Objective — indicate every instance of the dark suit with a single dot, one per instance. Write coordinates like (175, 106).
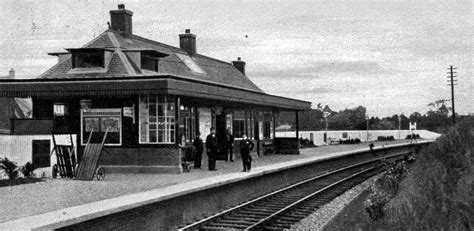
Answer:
(229, 147)
(245, 147)
(199, 146)
(212, 150)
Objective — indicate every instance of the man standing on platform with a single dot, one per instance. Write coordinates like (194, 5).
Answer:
(229, 143)
(199, 147)
(212, 149)
(246, 146)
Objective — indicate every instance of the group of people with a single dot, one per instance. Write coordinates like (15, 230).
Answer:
(212, 150)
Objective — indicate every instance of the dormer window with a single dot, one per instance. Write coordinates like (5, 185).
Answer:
(149, 59)
(88, 59)
(149, 63)
(145, 59)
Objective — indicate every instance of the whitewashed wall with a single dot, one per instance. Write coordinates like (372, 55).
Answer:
(318, 136)
(19, 148)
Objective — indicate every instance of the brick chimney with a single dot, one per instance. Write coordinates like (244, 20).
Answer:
(121, 20)
(240, 65)
(11, 74)
(187, 42)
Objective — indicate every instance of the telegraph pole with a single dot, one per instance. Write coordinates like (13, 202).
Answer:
(451, 80)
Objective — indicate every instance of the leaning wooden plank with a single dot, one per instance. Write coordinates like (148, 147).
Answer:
(89, 162)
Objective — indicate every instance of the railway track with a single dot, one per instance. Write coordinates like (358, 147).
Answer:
(285, 207)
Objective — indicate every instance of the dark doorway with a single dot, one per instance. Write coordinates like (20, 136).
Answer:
(221, 132)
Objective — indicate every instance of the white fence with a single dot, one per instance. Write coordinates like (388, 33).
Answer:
(318, 136)
(19, 148)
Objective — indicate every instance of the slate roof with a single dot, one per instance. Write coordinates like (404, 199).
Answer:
(121, 65)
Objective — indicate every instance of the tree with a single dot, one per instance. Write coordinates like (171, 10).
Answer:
(348, 119)
(436, 119)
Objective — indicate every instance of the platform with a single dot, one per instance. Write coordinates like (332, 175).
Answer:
(68, 201)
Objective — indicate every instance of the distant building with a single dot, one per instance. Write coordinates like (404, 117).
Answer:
(12, 108)
(147, 95)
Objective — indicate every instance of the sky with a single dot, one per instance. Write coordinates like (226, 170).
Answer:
(389, 56)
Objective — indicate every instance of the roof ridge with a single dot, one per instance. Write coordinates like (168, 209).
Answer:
(156, 42)
(128, 66)
(114, 40)
(178, 49)
(95, 39)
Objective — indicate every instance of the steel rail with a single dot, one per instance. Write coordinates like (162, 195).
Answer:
(203, 221)
(310, 196)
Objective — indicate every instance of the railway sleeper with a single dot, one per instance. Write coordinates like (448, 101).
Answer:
(206, 228)
(225, 225)
(292, 196)
(243, 218)
(280, 226)
(295, 216)
(257, 212)
(282, 203)
(234, 221)
(245, 215)
(262, 209)
(212, 227)
(303, 210)
(318, 201)
(254, 211)
(288, 219)
(251, 213)
(297, 213)
(269, 227)
(275, 225)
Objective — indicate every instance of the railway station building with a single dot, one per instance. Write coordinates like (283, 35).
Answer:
(149, 96)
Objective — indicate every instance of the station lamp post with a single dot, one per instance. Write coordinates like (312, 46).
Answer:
(325, 115)
(400, 126)
(367, 119)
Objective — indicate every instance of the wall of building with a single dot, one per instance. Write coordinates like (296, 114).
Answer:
(142, 160)
(19, 148)
(318, 136)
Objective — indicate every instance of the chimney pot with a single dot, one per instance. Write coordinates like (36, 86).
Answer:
(121, 6)
(240, 65)
(187, 42)
(11, 73)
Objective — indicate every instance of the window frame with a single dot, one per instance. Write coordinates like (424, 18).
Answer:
(104, 112)
(169, 127)
(62, 112)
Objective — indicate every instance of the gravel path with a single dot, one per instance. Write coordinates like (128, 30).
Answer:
(53, 194)
(320, 218)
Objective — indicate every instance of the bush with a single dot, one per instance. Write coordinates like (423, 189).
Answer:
(375, 204)
(385, 138)
(306, 142)
(385, 188)
(438, 193)
(10, 168)
(412, 136)
(28, 169)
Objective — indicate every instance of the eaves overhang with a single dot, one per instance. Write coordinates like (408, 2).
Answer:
(162, 84)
